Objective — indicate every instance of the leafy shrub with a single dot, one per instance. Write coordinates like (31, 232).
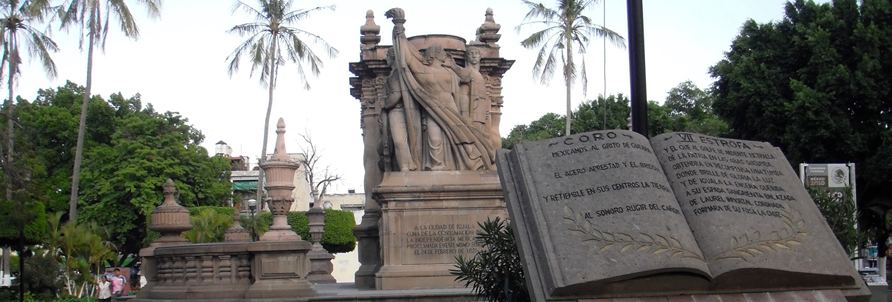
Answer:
(300, 224)
(208, 226)
(840, 213)
(338, 237)
(228, 211)
(495, 272)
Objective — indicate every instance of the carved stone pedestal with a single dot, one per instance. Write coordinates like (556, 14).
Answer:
(321, 267)
(280, 270)
(428, 218)
(368, 247)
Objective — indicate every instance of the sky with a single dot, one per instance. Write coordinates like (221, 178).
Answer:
(179, 63)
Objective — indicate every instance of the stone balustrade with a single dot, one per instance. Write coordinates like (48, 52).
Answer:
(203, 271)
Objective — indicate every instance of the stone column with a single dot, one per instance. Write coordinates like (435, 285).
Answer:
(280, 265)
(370, 96)
(320, 259)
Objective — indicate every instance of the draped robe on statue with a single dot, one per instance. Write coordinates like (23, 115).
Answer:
(466, 147)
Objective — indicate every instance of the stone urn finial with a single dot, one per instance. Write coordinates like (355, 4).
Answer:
(170, 219)
(236, 233)
(279, 171)
(487, 33)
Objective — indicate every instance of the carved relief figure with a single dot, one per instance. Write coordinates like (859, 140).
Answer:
(396, 115)
(449, 141)
(473, 102)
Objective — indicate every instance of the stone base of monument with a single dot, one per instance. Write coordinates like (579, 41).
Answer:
(280, 269)
(428, 218)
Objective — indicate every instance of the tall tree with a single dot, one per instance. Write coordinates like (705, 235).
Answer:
(273, 39)
(129, 151)
(16, 27)
(818, 84)
(691, 110)
(93, 22)
(566, 27)
(319, 178)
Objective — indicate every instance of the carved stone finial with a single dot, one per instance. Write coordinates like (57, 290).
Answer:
(369, 31)
(487, 33)
(170, 219)
(169, 190)
(279, 171)
(280, 153)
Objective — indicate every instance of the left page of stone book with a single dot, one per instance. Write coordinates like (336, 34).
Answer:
(595, 216)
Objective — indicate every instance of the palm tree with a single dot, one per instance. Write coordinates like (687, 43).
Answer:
(565, 27)
(270, 34)
(16, 27)
(93, 21)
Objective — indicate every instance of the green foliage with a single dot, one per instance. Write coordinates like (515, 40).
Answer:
(589, 116)
(226, 211)
(300, 224)
(209, 225)
(83, 249)
(839, 211)
(130, 150)
(11, 214)
(691, 111)
(338, 236)
(495, 272)
(818, 84)
(548, 126)
(41, 278)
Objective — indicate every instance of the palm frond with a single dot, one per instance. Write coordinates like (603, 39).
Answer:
(122, 12)
(239, 5)
(299, 15)
(331, 51)
(236, 55)
(153, 8)
(536, 38)
(247, 29)
(39, 46)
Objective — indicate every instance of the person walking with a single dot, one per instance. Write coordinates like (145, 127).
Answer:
(103, 291)
(117, 284)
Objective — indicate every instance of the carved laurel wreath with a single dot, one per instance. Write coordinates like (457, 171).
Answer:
(751, 244)
(654, 244)
(745, 246)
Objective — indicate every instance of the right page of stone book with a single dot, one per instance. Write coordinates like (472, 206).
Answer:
(756, 225)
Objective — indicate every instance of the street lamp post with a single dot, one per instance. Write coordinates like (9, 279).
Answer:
(252, 205)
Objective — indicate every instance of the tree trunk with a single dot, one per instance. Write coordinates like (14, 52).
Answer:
(269, 108)
(82, 129)
(568, 81)
(10, 120)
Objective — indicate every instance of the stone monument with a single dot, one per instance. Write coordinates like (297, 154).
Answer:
(682, 216)
(430, 119)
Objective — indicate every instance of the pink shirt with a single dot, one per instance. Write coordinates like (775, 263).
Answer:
(117, 283)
